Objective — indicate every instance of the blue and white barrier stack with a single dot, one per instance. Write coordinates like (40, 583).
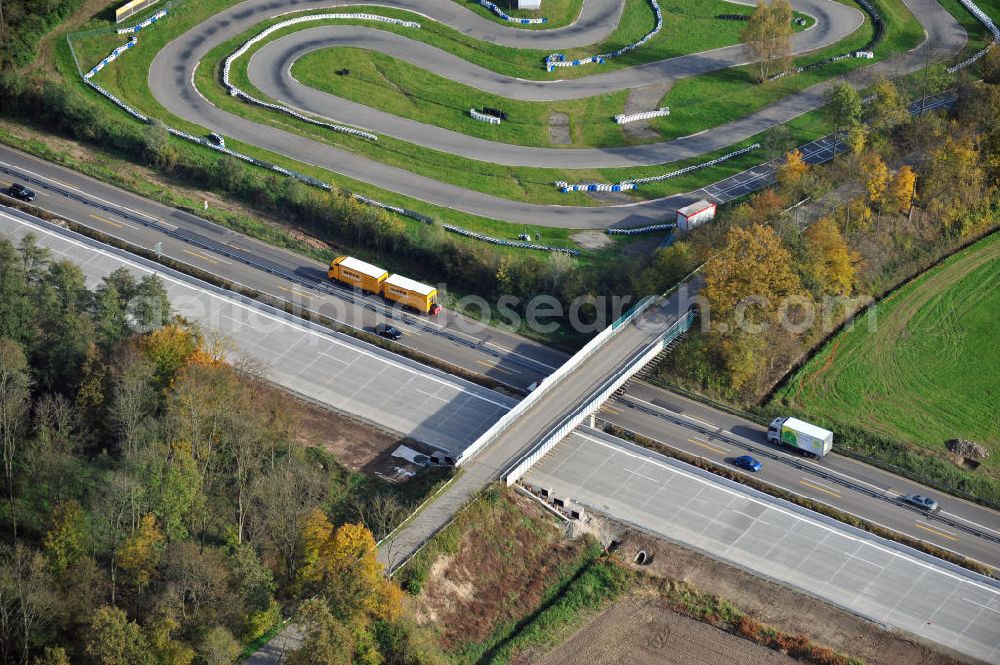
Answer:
(236, 92)
(595, 187)
(484, 117)
(111, 57)
(623, 118)
(145, 24)
(559, 59)
(507, 17)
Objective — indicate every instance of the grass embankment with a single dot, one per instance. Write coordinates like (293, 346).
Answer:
(502, 577)
(927, 370)
(701, 102)
(558, 12)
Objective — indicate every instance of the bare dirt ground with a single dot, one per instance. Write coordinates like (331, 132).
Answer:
(591, 239)
(641, 631)
(508, 555)
(782, 607)
(357, 445)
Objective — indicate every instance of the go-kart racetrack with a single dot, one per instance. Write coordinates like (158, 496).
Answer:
(172, 71)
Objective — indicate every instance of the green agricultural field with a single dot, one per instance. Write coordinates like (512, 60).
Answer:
(928, 371)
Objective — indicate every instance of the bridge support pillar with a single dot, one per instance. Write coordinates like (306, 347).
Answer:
(593, 421)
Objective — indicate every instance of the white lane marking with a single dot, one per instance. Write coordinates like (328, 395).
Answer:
(81, 192)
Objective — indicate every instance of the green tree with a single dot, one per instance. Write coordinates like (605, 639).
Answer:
(175, 485)
(14, 405)
(149, 307)
(114, 640)
(139, 555)
(66, 540)
(666, 268)
(218, 647)
(768, 38)
(888, 108)
(844, 107)
(326, 640)
(52, 656)
(16, 311)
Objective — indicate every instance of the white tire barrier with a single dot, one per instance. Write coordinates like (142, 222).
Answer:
(626, 185)
(405, 212)
(982, 18)
(559, 60)
(145, 24)
(507, 17)
(652, 228)
(623, 118)
(236, 92)
(111, 57)
(484, 117)
(990, 27)
(508, 243)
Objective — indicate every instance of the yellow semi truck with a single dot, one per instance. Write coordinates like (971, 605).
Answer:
(411, 293)
(355, 272)
(361, 275)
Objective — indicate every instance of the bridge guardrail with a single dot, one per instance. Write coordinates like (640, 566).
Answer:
(552, 380)
(613, 383)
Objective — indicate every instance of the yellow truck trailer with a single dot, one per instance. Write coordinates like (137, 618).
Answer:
(411, 293)
(357, 273)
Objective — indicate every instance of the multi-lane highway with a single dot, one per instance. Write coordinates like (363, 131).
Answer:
(270, 270)
(171, 81)
(868, 492)
(876, 579)
(330, 368)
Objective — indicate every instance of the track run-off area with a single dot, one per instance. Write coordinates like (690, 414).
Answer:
(173, 72)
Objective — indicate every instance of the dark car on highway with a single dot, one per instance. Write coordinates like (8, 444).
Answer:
(387, 331)
(19, 191)
(748, 463)
(922, 502)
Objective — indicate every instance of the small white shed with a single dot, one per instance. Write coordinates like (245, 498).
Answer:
(697, 213)
(529, 4)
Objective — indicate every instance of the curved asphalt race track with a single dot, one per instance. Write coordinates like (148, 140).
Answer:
(171, 81)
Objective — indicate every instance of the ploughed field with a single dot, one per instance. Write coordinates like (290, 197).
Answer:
(927, 369)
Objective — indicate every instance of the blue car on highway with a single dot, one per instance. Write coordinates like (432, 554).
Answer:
(747, 462)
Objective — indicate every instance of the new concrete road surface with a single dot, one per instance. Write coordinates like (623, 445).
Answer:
(171, 73)
(330, 368)
(966, 528)
(279, 273)
(875, 578)
(556, 403)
